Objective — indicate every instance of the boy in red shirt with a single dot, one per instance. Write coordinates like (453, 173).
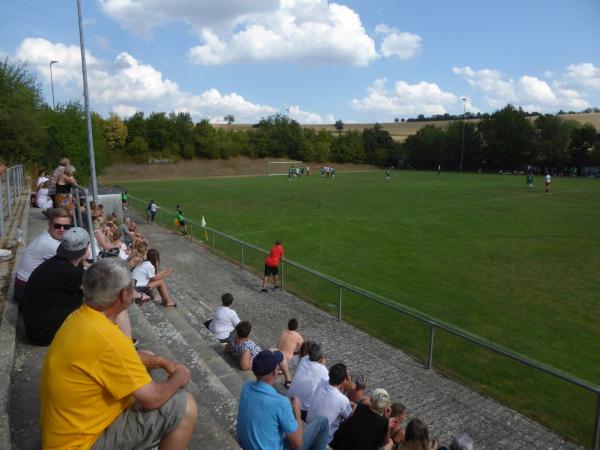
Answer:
(272, 266)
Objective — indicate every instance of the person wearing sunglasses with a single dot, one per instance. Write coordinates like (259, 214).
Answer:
(41, 248)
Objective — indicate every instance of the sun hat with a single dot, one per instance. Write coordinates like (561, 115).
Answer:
(265, 362)
(74, 243)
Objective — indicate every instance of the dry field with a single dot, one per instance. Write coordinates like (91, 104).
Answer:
(202, 168)
(400, 131)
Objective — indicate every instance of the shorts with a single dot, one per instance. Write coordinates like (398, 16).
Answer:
(270, 270)
(152, 214)
(146, 290)
(142, 428)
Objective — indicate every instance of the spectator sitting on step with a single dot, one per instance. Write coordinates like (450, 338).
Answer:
(290, 341)
(369, 427)
(357, 393)
(400, 414)
(244, 350)
(125, 234)
(267, 420)
(145, 270)
(95, 389)
(104, 238)
(329, 400)
(54, 288)
(224, 320)
(41, 248)
(416, 437)
(42, 199)
(310, 372)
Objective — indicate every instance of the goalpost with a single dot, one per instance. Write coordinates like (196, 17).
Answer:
(281, 167)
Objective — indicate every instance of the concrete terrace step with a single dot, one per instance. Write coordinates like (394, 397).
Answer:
(214, 396)
(216, 409)
(207, 347)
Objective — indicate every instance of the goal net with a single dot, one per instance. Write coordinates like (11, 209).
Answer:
(281, 167)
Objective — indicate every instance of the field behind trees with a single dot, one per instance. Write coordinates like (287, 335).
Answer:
(401, 130)
(480, 252)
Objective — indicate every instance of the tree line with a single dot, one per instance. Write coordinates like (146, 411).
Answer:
(32, 132)
(506, 140)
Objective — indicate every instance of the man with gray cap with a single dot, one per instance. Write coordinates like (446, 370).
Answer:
(267, 420)
(53, 290)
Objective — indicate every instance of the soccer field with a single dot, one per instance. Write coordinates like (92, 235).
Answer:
(480, 252)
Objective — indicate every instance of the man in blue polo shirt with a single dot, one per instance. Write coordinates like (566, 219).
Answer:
(267, 420)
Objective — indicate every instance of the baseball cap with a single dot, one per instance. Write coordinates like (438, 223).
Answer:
(265, 362)
(380, 399)
(74, 243)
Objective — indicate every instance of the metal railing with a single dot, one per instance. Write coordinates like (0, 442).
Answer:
(12, 184)
(431, 322)
(78, 219)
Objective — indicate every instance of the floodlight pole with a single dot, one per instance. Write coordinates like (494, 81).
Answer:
(87, 108)
(462, 145)
(52, 83)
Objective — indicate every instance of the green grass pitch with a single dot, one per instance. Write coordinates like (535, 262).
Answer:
(480, 252)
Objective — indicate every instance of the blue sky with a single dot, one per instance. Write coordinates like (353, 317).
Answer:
(317, 61)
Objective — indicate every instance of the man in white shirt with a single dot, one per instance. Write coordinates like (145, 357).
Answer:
(310, 372)
(41, 248)
(548, 182)
(224, 320)
(329, 401)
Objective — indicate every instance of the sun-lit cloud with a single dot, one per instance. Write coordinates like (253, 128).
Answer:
(403, 45)
(126, 85)
(294, 112)
(529, 92)
(584, 74)
(305, 32)
(404, 100)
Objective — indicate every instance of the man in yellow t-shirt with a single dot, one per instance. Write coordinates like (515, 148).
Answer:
(95, 391)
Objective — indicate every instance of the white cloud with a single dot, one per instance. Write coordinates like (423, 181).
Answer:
(321, 34)
(584, 74)
(126, 85)
(38, 52)
(529, 92)
(142, 16)
(301, 116)
(396, 43)
(306, 32)
(404, 100)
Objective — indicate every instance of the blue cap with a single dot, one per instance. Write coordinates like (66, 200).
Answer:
(265, 362)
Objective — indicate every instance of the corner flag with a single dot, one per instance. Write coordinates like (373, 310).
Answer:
(203, 224)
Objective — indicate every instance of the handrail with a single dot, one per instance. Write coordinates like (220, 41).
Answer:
(77, 219)
(15, 185)
(432, 322)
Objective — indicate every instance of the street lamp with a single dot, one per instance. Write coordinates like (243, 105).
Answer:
(462, 145)
(52, 83)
